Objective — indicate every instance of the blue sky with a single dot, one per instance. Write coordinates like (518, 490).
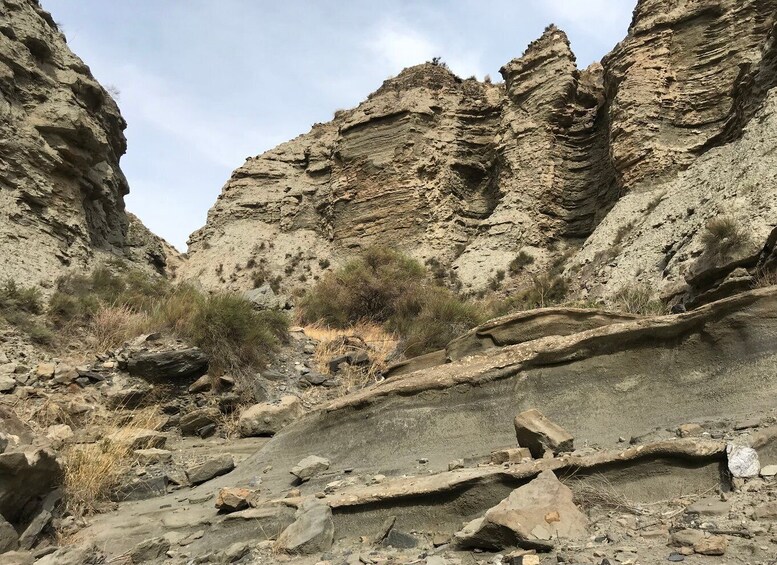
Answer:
(205, 83)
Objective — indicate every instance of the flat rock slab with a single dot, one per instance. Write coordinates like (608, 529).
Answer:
(210, 469)
(309, 467)
(163, 365)
(312, 531)
(269, 418)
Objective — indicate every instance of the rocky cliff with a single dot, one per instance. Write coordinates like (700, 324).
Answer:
(61, 137)
(552, 160)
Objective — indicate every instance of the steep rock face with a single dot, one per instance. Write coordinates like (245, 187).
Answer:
(61, 137)
(553, 160)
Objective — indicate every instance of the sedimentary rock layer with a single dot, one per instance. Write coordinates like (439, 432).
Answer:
(469, 173)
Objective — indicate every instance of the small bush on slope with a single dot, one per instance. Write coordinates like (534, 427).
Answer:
(722, 236)
(20, 306)
(383, 286)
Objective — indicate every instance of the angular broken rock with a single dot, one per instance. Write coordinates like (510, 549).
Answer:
(232, 499)
(312, 531)
(9, 539)
(510, 455)
(532, 517)
(149, 550)
(198, 419)
(742, 461)
(268, 419)
(212, 468)
(203, 384)
(535, 431)
(711, 545)
(164, 365)
(309, 467)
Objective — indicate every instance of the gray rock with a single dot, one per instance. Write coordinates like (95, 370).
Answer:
(742, 461)
(18, 558)
(164, 365)
(31, 533)
(198, 419)
(141, 488)
(9, 539)
(269, 418)
(153, 456)
(203, 384)
(149, 550)
(7, 383)
(128, 397)
(309, 467)
(210, 469)
(25, 477)
(72, 555)
(710, 506)
(538, 433)
(312, 531)
(400, 540)
(265, 298)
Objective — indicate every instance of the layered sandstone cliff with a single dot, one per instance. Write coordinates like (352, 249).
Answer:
(552, 160)
(61, 137)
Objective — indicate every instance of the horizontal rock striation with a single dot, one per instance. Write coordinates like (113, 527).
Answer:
(61, 137)
(470, 173)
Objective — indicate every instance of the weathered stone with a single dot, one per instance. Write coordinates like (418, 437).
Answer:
(9, 539)
(537, 433)
(128, 397)
(210, 469)
(311, 532)
(766, 470)
(510, 455)
(138, 438)
(309, 467)
(7, 384)
(58, 434)
(141, 488)
(268, 418)
(45, 370)
(167, 365)
(532, 517)
(711, 545)
(18, 558)
(742, 461)
(192, 422)
(710, 507)
(690, 430)
(399, 540)
(25, 477)
(34, 529)
(685, 538)
(203, 384)
(149, 550)
(153, 456)
(232, 499)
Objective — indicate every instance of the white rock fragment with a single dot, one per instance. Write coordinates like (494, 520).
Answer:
(742, 461)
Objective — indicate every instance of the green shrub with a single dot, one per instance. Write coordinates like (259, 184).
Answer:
(231, 332)
(521, 260)
(430, 319)
(365, 289)
(723, 236)
(383, 286)
(20, 307)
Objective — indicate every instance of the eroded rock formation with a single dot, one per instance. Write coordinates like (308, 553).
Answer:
(61, 137)
(470, 173)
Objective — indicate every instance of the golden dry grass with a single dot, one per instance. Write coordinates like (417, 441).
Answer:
(93, 470)
(765, 278)
(113, 325)
(380, 343)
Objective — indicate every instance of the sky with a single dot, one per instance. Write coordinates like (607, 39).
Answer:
(203, 84)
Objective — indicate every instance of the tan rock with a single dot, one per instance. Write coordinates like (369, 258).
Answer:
(532, 517)
(510, 455)
(269, 418)
(539, 434)
(232, 499)
(711, 545)
(690, 430)
(45, 370)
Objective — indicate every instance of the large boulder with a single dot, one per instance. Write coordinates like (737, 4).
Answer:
(312, 531)
(532, 517)
(25, 477)
(164, 365)
(267, 419)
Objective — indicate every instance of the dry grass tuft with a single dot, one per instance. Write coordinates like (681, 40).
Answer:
(113, 325)
(598, 492)
(331, 343)
(93, 470)
(764, 278)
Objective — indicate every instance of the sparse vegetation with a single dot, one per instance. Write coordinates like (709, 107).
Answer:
(722, 236)
(638, 299)
(19, 307)
(521, 261)
(622, 232)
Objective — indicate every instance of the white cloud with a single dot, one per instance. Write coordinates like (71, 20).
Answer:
(594, 17)
(400, 46)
